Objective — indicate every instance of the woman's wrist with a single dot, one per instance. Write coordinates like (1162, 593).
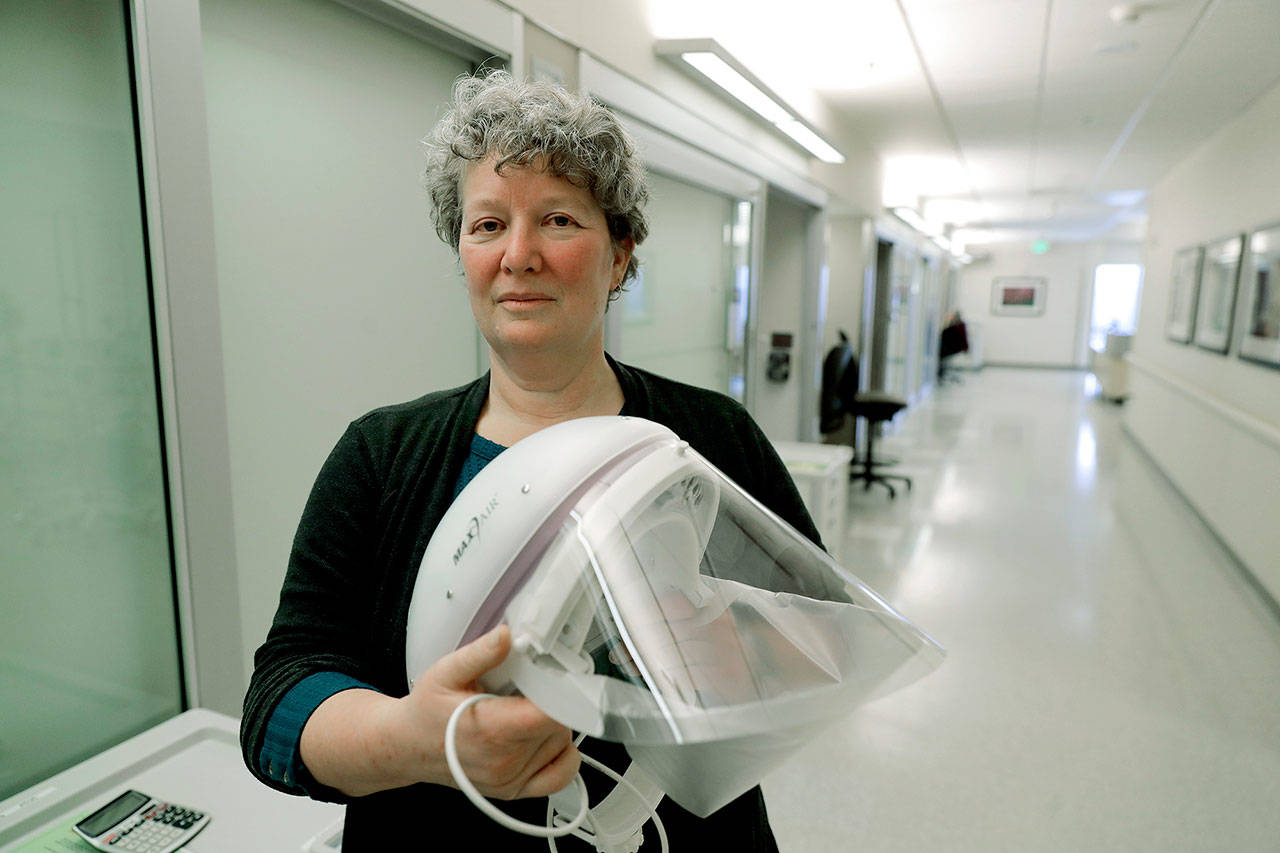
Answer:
(361, 741)
(411, 749)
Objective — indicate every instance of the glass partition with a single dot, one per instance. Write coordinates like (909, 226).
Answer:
(685, 315)
(88, 643)
(904, 285)
(930, 323)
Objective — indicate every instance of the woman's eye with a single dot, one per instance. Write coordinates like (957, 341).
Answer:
(488, 226)
(560, 220)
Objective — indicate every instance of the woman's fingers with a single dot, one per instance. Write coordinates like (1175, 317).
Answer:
(506, 741)
(459, 669)
(555, 775)
(507, 746)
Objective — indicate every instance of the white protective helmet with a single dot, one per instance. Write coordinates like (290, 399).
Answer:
(655, 603)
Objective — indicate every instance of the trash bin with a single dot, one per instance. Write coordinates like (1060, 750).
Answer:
(821, 474)
(1111, 367)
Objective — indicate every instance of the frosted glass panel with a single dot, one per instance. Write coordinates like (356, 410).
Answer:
(683, 317)
(927, 364)
(903, 321)
(88, 647)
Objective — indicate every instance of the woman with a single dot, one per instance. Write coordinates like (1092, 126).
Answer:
(540, 192)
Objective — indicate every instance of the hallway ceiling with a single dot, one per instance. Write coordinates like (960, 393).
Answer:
(1008, 120)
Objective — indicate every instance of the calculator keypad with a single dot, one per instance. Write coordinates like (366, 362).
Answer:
(158, 830)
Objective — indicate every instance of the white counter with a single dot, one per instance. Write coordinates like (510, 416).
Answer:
(192, 760)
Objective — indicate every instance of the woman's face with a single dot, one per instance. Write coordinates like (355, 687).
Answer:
(538, 260)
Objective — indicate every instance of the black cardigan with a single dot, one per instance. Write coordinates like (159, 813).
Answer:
(345, 599)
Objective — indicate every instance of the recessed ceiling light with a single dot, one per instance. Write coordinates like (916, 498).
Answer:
(1126, 13)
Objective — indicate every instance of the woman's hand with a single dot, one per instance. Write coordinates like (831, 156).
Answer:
(359, 741)
(508, 748)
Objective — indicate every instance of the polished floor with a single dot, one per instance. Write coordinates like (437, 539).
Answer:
(1112, 680)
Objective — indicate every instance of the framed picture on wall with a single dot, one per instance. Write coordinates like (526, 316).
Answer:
(1018, 295)
(1216, 304)
(1261, 339)
(1183, 290)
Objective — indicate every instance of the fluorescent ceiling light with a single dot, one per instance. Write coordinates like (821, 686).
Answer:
(910, 217)
(910, 180)
(952, 245)
(723, 75)
(716, 65)
(916, 221)
(816, 144)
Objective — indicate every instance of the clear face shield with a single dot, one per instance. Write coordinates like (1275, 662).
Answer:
(659, 605)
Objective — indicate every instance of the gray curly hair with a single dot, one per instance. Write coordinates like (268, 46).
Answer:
(523, 124)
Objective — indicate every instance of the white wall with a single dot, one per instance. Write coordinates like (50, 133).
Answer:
(847, 251)
(777, 404)
(1058, 337)
(1048, 340)
(336, 295)
(1212, 422)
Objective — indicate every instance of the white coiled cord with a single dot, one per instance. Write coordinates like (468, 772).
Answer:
(464, 784)
(549, 831)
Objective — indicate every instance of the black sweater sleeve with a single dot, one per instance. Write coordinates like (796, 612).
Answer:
(319, 624)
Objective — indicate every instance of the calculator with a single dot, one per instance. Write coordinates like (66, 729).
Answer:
(137, 822)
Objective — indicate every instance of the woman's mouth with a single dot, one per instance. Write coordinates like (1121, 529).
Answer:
(524, 300)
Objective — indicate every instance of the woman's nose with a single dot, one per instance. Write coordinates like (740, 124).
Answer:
(522, 253)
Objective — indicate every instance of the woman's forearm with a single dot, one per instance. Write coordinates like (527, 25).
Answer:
(353, 742)
(361, 741)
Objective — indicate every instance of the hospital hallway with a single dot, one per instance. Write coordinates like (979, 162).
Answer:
(1112, 679)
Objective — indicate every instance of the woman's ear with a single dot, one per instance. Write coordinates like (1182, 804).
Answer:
(622, 251)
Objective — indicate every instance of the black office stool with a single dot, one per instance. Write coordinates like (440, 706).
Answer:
(875, 407)
(841, 398)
